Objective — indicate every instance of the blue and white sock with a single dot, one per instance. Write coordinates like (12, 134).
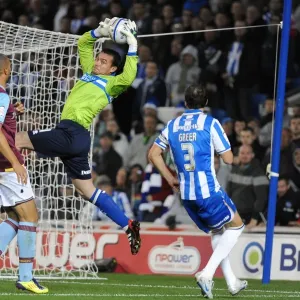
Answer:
(8, 230)
(26, 244)
(108, 206)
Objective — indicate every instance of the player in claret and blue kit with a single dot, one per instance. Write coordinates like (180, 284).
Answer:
(192, 140)
(70, 139)
(16, 195)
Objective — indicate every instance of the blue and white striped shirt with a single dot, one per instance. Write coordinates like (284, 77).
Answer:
(193, 138)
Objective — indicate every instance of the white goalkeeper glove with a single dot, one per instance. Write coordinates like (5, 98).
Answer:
(102, 30)
(130, 33)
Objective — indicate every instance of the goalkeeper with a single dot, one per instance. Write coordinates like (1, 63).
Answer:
(70, 139)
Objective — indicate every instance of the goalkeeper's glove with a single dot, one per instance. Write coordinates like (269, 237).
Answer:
(102, 29)
(130, 33)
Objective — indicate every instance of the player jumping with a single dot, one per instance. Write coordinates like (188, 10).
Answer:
(70, 139)
(192, 139)
(16, 195)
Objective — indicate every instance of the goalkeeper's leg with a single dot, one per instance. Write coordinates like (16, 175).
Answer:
(107, 205)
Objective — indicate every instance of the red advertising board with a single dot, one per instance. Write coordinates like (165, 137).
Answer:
(161, 252)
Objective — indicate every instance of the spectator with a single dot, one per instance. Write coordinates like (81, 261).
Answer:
(23, 20)
(182, 74)
(249, 138)
(254, 18)
(242, 75)
(136, 174)
(248, 187)
(140, 144)
(294, 173)
(155, 190)
(65, 25)
(211, 60)
(107, 160)
(288, 204)
(237, 11)
(152, 88)
(145, 56)
(168, 17)
(286, 160)
(120, 198)
(255, 125)
(266, 123)
(239, 125)
(275, 9)
(143, 22)
(115, 9)
(206, 15)
(122, 181)
(62, 12)
(120, 142)
(222, 20)
(295, 129)
(176, 48)
(79, 19)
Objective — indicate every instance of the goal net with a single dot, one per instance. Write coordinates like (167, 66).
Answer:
(45, 66)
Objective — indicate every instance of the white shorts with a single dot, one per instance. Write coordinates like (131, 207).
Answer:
(13, 193)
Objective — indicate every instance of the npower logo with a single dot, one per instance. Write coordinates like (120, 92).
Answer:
(174, 259)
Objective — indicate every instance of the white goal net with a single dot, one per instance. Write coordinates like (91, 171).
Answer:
(45, 66)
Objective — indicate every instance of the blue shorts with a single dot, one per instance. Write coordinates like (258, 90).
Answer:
(69, 141)
(211, 213)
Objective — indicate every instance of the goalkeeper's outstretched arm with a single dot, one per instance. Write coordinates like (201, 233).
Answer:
(125, 79)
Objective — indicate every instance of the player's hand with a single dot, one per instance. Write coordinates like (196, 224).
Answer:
(102, 30)
(21, 173)
(19, 108)
(174, 183)
(130, 33)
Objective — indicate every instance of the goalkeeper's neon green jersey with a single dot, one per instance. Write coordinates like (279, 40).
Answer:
(92, 93)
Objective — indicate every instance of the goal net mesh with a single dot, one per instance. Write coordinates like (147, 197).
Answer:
(45, 66)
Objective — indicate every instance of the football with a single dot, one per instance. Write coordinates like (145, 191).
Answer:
(116, 25)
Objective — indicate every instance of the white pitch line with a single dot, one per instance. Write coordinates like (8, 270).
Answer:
(148, 295)
(166, 286)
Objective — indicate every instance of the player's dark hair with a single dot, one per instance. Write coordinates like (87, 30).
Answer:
(295, 117)
(117, 60)
(195, 96)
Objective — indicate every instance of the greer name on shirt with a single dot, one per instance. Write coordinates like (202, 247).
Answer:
(187, 137)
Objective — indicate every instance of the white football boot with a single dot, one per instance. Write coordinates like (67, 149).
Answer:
(206, 285)
(237, 287)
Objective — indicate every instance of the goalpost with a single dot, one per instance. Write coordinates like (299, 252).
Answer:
(45, 66)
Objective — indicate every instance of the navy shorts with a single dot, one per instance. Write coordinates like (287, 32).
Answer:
(211, 213)
(69, 141)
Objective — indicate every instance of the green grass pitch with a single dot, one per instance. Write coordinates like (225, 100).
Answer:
(120, 286)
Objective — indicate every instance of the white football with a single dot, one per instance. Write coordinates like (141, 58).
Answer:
(117, 24)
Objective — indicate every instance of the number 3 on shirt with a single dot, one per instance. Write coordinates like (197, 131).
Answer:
(189, 156)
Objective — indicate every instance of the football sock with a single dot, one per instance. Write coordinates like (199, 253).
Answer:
(8, 230)
(226, 242)
(108, 206)
(26, 244)
(225, 263)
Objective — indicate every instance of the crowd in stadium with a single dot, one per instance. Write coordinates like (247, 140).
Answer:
(238, 69)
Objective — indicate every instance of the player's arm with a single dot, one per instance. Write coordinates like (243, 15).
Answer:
(4, 146)
(124, 80)
(221, 142)
(86, 45)
(156, 157)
